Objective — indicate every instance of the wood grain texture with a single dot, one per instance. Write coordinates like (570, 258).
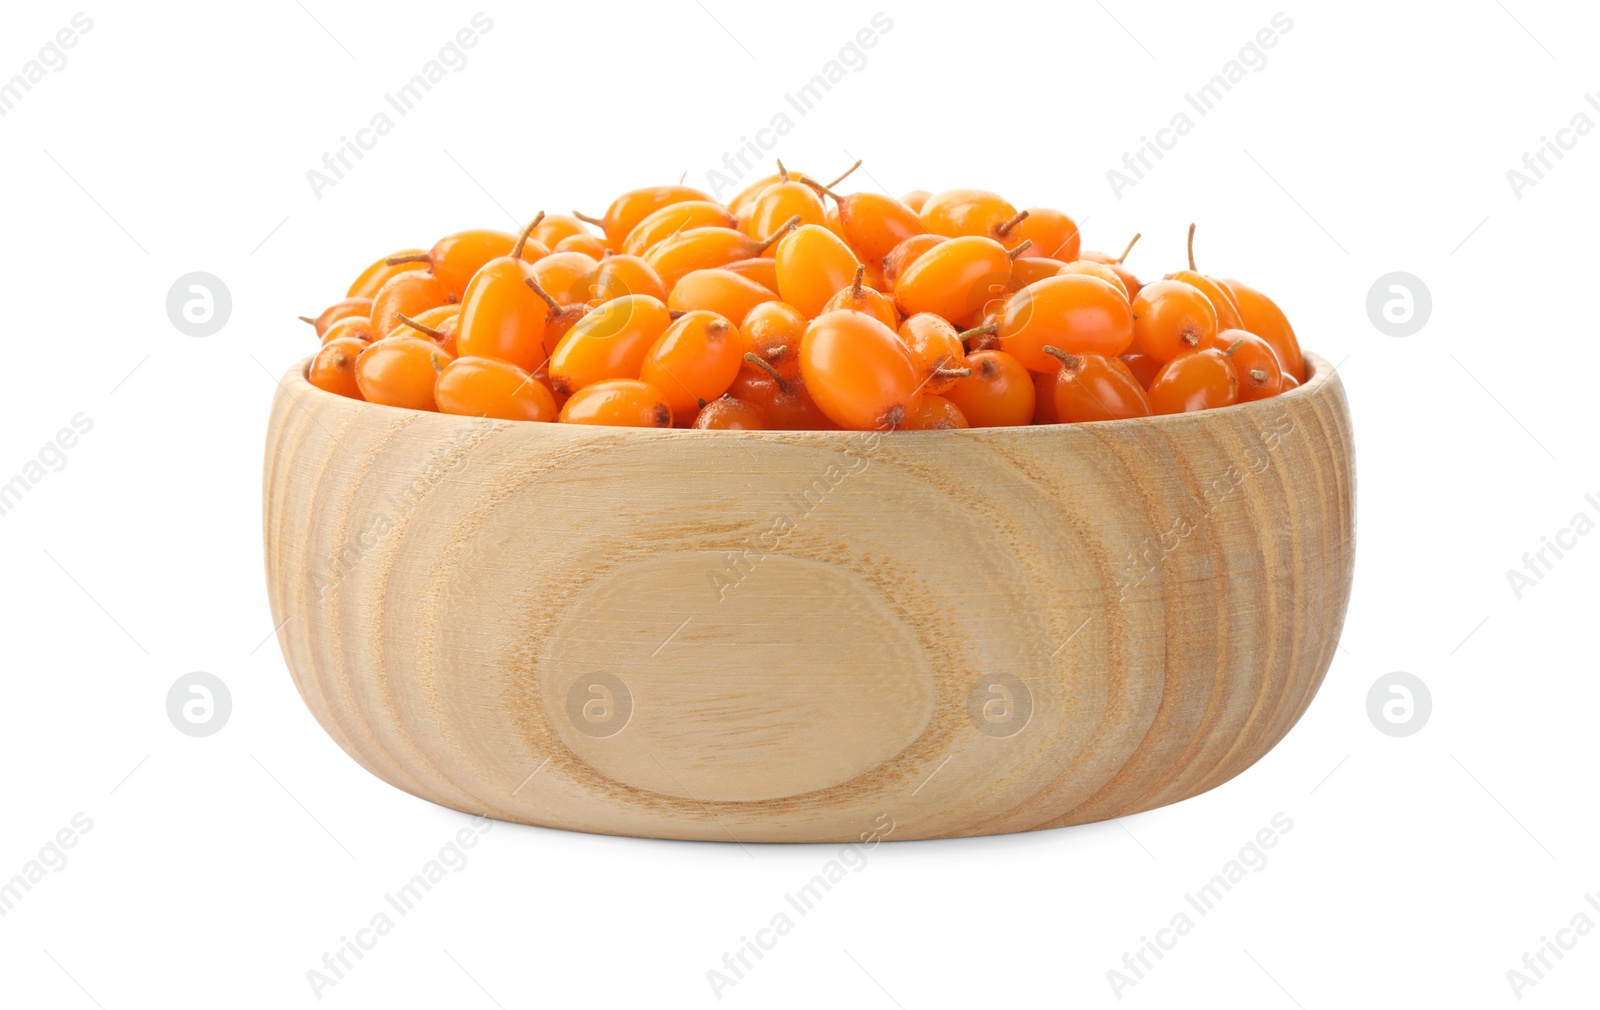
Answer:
(799, 636)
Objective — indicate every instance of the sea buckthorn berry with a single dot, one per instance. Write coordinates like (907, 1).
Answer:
(1074, 312)
(998, 393)
(400, 372)
(334, 367)
(936, 350)
(761, 269)
(729, 413)
(1290, 382)
(627, 210)
(625, 275)
(502, 315)
(1143, 367)
(785, 199)
(587, 244)
(721, 291)
(672, 219)
(1092, 387)
(1054, 235)
(693, 362)
(1170, 317)
(773, 330)
(1129, 281)
(349, 308)
(873, 224)
(455, 258)
(407, 294)
(1221, 298)
(624, 403)
(1044, 397)
(934, 413)
(1262, 317)
(552, 228)
(956, 279)
(568, 277)
(813, 263)
(745, 199)
(859, 371)
(359, 327)
(438, 325)
(1104, 271)
(957, 212)
(906, 253)
(610, 342)
(916, 199)
(858, 297)
(374, 277)
(785, 404)
(484, 387)
(1027, 269)
(1254, 361)
(702, 248)
(1194, 380)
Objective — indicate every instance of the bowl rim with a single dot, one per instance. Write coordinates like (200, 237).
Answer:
(1320, 377)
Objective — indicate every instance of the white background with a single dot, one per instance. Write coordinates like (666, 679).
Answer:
(1377, 138)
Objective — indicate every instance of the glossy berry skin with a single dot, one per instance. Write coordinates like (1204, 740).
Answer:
(1170, 317)
(956, 212)
(624, 403)
(1143, 367)
(1129, 282)
(410, 294)
(861, 297)
(813, 263)
(936, 348)
(934, 413)
(729, 413)
(693, 362)
(619, 275)
(484, 387)
(906, 253)
(858, 371)
(674, 218)
(374, 277)
(568, 277)
(700, 249)
(359, 327)
(1194, 380)
(718, 290)
(999, 392)
(785, 404)
(1103, 271)
(359, 308)
(1262, 317)
(955, 279)
(552, 228)
(761, 269)
(773, 330)
(1092, 387)
(873, 224)
(1217, 294)
(334, 367)
(781, 201)
(589, 245)
(916, 199)
(1254, 361)
(400, 372)
(1054, 235)
(610, 342)
(1076, 313)
(502, 317)
(439, 325)
(455, 258)
(632, 207)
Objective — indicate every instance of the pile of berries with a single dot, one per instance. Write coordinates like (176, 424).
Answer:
(796, 307)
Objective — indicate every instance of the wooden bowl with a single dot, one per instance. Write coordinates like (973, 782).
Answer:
(808, 636)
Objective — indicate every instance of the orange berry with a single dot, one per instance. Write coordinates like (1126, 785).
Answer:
(936, 350)
(503, 315)
(813, 263)
(359, 327)
(438, 325)
(627, 210)
(587, 244)
(455, 258)
(1254, 361)
(761, 269)
(625, 275)
(1170, 317)
(1262, 317)
(729, 413)
(859, 297)
(1054, 235)
(552, 228)
(785, 404)
(694, 361)
(1194, 380)
(626, 403)
(957, 212)
(610, 342)
(374, 277)
(672, 219)
(773, 331)
(717, 290)
(349, 308)
(1092, 387)
(916, 199)
(1076, 313)
(484, 387)
(400, 372)
(956, 279)
(906, 253)
(1143, 367)
(858, 370)
(873, 224)
(334, 367)
(934, 413)
(568, 277)
(998, 393)
(409, 294)
(787, 198)
(702, 248)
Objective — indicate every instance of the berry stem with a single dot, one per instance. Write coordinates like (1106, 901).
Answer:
(395, 261)
(555, 306)
(755, 359)
(1005, 229)
(1069, 362)
(783, 173)
(581, 216)
(1191, 246)
(783, 229)
(1027, 244)
(846, 174)
(430, 331)
(522, 240)
(1131, 242)
(855, 288)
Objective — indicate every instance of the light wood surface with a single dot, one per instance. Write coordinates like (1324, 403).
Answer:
(808, 636)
